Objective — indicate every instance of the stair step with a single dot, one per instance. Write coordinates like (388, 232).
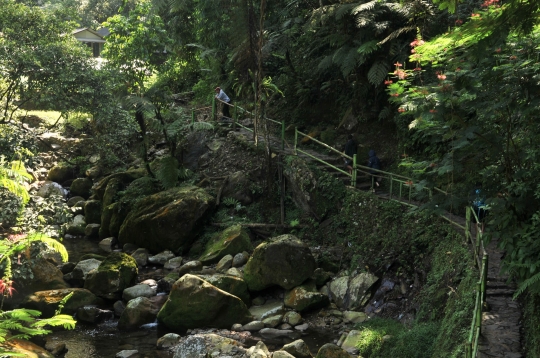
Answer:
(500, 292)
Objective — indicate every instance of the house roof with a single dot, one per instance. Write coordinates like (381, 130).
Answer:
(86, 34)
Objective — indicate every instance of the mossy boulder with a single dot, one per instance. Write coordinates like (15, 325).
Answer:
(195, 303)
(47, 301)
(285, 261)
(305, 298)
(81, 187)
(112, 218)
(116, 273)
(92, 211)
(61, 173)
(124, 177)
(230, 241)
(231, 284)
(167, 220)
(139, 311)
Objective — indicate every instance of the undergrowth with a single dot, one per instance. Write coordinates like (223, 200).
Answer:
(531, 323)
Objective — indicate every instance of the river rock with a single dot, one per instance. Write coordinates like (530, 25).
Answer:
(266, 310)
(302, 327)
(298, 349)
(127, 353)
(320, 277)
(167, 341)
(258, 351)
(194, 303)
(253, 326)
(140, 290)
(92, 230)
(240, 259)
(190, 266)
(93, 314)
(282, 354)
(350, 342)
(292, 318)
(330, 350)
(25, 348)
(61, 173)
(77, 226)
(106, 244)
(304, 298)
(199, 345)
(173, 263)
(74, 200)
(80, 272)
(47, 301)
(139, 311)
(161, 258)
(113, 275)
(81, 187)
(270, 333)
(272, 321)
(224, 264)
(119, 307)
(167, 220)
(354, 317)
(166, 283)
(285, 261)
(352, 293)
(54, 347)
(235, 271)
(92, 211)
(141, 256)
(231, 284)
(230, 241)
(46, 276)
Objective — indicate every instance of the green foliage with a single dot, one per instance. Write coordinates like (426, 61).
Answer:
(12, 178)
(531, 323)
(11, 208)
(400, 342)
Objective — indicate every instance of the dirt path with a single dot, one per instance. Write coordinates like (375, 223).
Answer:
(501, 324)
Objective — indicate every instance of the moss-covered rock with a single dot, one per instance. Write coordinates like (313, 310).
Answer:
(47, 301)
(285, 261)
(92, 211)
(61, 173)
(167, 220)
(116, 273)
(112, 218)
(124, 177)
(195, 303)
(139, 311)
(231, 284)
(81, 187)
(330, 350)
(230, 241)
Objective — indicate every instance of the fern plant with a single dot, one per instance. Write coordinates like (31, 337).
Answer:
(12, 177)
(25, 323)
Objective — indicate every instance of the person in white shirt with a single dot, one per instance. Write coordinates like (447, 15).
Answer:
(222, 96)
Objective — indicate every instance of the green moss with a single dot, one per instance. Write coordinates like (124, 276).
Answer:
(228, 242)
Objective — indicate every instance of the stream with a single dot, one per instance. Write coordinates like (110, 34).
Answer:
(105, 340)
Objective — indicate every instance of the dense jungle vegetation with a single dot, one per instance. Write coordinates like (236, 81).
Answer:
(456, 82)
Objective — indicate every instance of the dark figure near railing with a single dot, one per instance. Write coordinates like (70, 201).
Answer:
(350, 150)
(479, 206)
(374, 163)
(223, 97)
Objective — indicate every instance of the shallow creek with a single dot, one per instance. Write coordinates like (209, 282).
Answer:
(104, 340)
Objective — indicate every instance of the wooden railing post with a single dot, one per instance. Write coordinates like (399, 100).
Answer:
(353, 174)
(295, 140)
(214, 111)
(478, 323)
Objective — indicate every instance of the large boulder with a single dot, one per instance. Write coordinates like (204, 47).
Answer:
(139, 311)
(285, 261)
(46, 277)
(47, 301)
(167, 220)
(79, 273)
(50, 188)
(238, 187)
(305, 297)
(116, 273)
(352, 292)
(194, 303)
(61, 173)
(81, 187)
(230, 241)
(92, 211)
(231, 284)
(124, 177)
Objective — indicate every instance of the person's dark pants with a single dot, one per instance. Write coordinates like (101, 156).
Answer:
(226, 112)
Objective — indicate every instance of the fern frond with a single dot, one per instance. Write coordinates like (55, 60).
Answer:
(527, 284)
(343, 10)
(385, 113)
(63, 320)
(53, 243)
(228, 201)
(368, 47)
(378, 72)
(167, 172)
(370, 5)
(16, 188)
(396, 34)
(202, 126)
(325, 63)
(350, 61)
